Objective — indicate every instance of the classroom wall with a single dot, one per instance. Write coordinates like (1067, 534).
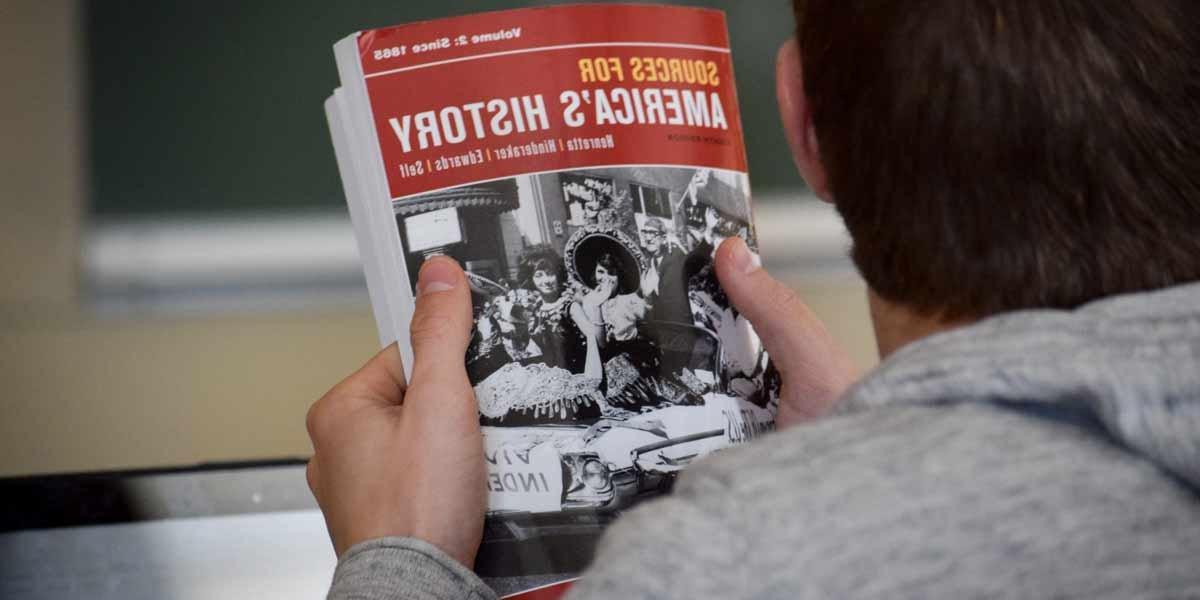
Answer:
(84, 391)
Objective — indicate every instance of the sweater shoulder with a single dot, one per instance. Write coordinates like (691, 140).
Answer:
(932, 498)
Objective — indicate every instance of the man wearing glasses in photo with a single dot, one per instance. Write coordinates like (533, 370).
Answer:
(664, 284)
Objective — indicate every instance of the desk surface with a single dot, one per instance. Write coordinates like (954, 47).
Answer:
(208, 532)
(266, 555)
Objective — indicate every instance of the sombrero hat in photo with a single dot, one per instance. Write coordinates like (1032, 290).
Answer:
(588, 244)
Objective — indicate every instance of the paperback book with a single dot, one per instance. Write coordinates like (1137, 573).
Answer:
(582, 163)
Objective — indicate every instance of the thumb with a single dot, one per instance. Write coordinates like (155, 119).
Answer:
(815, 369)
(441, 322)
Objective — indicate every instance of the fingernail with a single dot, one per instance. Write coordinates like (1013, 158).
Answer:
(438, 274)
(746, 261)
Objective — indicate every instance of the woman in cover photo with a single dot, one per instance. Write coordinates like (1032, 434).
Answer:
(609, 310)
(541, 271)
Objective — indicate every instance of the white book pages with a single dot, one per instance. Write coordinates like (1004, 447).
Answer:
(376, 199)
(343, 147)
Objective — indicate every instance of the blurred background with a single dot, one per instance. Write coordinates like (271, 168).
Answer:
(178, 276)
(179, 282)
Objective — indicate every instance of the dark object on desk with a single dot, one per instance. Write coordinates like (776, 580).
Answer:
(109, 497)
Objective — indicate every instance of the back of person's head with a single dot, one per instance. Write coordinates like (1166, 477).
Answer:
(993, 155)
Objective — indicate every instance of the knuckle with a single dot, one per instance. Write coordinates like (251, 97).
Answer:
(318, 418)
(311, 419)
(310, 475)
(429, 326)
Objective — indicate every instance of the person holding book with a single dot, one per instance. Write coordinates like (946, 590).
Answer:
(541, 270)
(1021, 182)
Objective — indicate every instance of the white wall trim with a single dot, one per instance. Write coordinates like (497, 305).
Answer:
(269, 260)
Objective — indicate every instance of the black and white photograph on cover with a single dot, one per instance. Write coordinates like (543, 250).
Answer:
(605, 356)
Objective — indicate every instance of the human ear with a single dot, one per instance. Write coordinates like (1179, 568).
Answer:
(797, 118)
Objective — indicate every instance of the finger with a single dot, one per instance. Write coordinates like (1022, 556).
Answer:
(441, 323)
(777, 313)
(797, 341)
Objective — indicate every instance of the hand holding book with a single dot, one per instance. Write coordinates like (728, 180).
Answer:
(406, 460)
(814, 368)
(437, 493)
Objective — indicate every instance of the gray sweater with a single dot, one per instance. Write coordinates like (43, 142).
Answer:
(1034, 454)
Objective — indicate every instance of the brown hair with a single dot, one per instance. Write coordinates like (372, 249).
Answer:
(993, 155)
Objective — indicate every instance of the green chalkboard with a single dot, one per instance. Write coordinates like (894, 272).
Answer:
(215, 106)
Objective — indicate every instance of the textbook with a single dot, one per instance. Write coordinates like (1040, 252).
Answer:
(582, 163)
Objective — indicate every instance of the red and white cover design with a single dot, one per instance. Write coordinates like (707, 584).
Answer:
(582, 163)
(651, 77)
